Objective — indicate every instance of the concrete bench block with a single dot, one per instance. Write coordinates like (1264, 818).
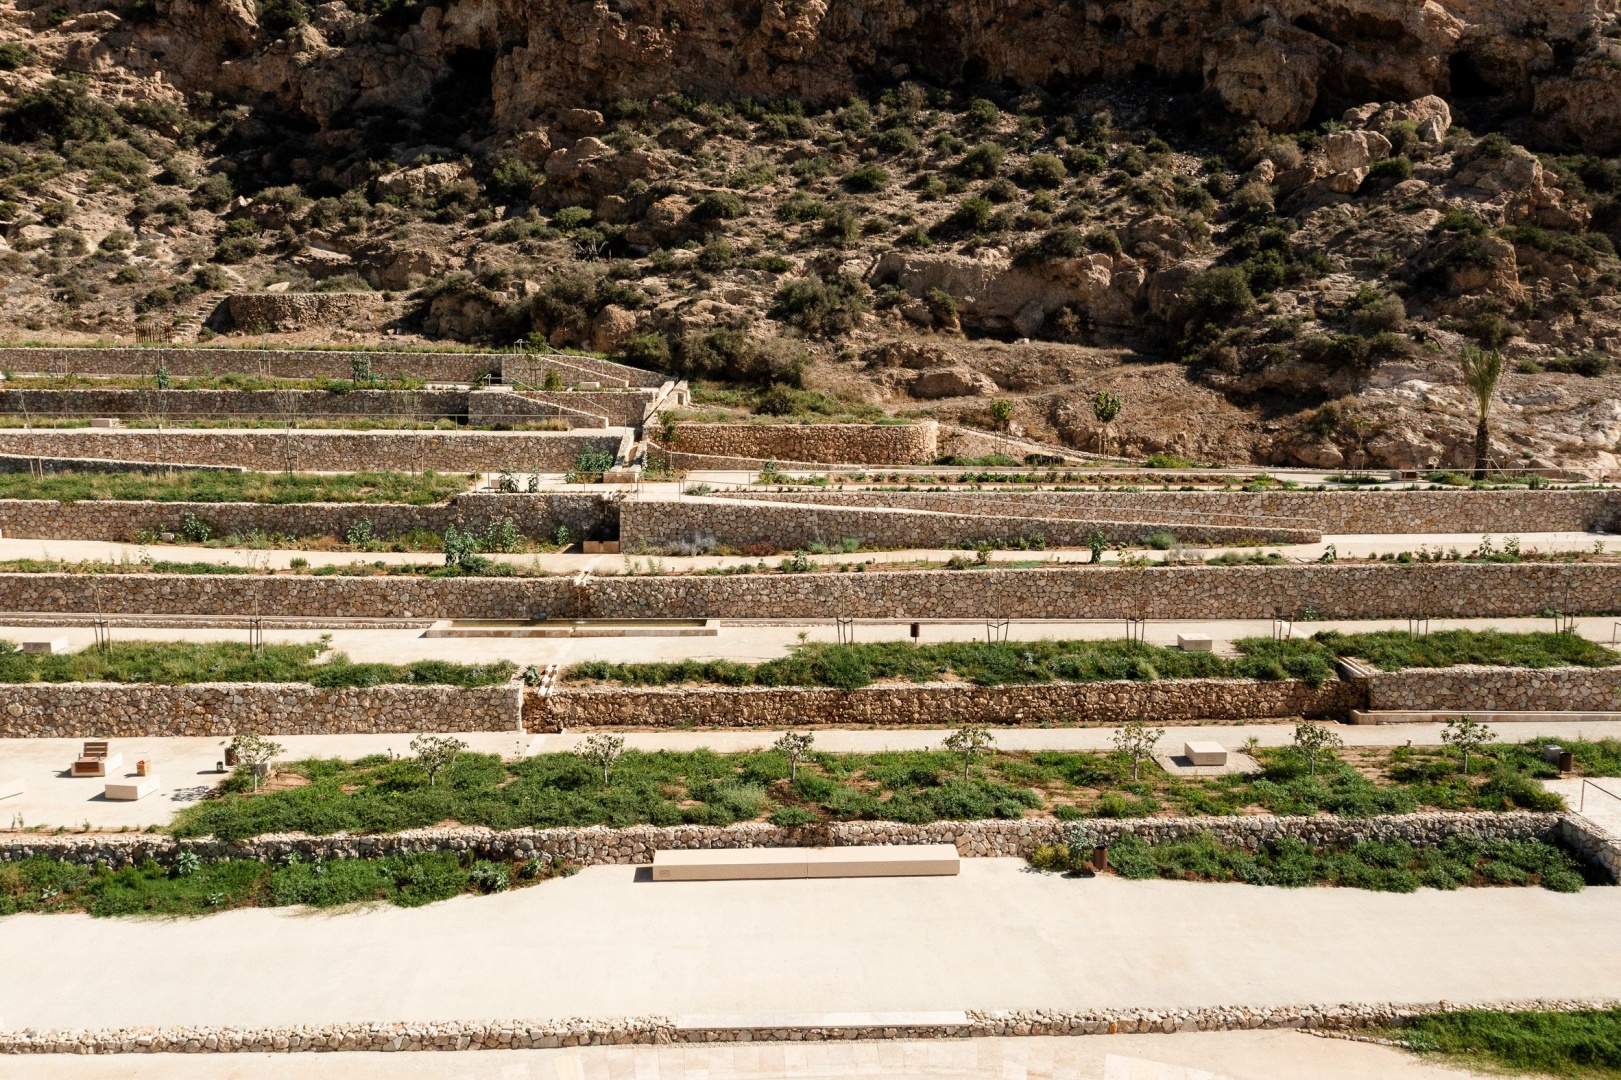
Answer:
(1205, 752)
(729, 864)
(887, 860)
(98, 766)
(12, 785)
(131, 789)
(1195, 643)
(752, 864)
(47, 647)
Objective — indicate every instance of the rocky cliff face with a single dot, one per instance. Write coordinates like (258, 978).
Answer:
(1279, 63)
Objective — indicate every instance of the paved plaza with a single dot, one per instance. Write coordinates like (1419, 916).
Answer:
(610, 942)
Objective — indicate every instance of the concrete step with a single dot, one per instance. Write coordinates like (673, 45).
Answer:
(754, 864)
(1484, 716)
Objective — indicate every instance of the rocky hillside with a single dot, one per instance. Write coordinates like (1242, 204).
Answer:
(1269, 228)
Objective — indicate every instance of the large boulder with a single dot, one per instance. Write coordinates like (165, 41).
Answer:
(951, 382)
(994, 293)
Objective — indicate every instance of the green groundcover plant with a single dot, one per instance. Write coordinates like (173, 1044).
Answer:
(1021, 662)
(1585, 1043)
(206, 485)
(1379, 865)
(379, 794)
(193, 887)
(181, 662)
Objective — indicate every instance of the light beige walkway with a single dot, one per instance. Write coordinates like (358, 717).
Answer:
(1000, 936)
(756, 641)
(188, 765)
(1352, 545)
(1245, 1055)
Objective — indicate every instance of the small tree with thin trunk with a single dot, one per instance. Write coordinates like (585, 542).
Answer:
(1136, 740)
(254, 753)
(1106, 406)
(435, 753)
(603, 751)
(1468, 736)
(968, 741)
(1313, 739)
(1481, 370)
(795, 746)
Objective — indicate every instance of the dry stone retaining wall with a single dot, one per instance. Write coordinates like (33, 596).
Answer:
(452, 367)
(449, 1035)
(1497, 689)
(599, 844)
(537, 515)
(1175, 592)
(851, 444)
(245, 404)
(624, 409)
(130, 710)
(272, 312)
(935, 705)
(319, 450)
(1497, 512)
(530, 369)
(700, 523)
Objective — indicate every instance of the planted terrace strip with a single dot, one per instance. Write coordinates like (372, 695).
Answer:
(1035, 794)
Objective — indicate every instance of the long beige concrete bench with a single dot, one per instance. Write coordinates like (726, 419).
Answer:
(1484, 716)
(12, 785)
(743, 864)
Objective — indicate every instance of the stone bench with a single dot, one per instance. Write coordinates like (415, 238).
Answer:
(131, 789)
(744, 864)
(1205, 752)
(1195, 643)
(12, 785)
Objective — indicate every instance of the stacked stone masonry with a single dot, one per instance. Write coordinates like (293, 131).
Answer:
(1497, 689)
(260, 313)
(1176, 592)
(536, 516)
(122, 711)
(320, 450)
(939, 705)
(529, 370)
(181, 362)
(452, 1035)
(437, 367)
(1499, 513)
(599, 844)
(238, 404)
(697, 524)
(846, 444)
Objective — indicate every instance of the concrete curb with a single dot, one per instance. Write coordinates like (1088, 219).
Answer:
(547, 1034)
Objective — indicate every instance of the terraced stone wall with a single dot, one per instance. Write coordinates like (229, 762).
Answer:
(237, 404)
(696, 524)
(452, 367)
(1497, 689)
(1177, 592)
(1174, 701)
(597, 845)
(1499, 513)
(123, 710)
(536, 516)
(724, 445)
(319, 450)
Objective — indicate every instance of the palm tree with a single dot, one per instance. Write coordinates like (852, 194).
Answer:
(1481, 370)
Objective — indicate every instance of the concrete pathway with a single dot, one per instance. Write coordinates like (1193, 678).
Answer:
(1350, 545)
(610, 942)
(187, 766)
(1241, 1055)
(746, 640)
